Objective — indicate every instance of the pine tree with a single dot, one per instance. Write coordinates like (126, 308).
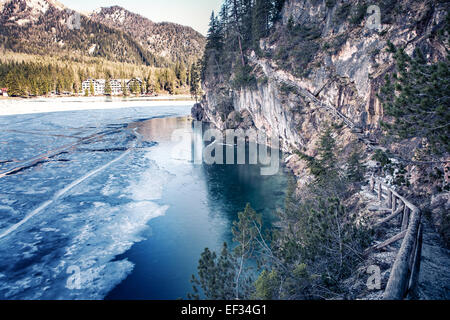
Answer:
(261, 20)
(327, 150)
(226, 277)
(195, 85)
(216, 276)
(134, 87)
(14, 82)
(75, 87)
(58, 87)
(108, 89)
(276, 10)
(417, 97)
(150, 87)
(355, 169)
(320, 248)
(91, 88)
(224, 18)
(246, 232)
(34, 90)
(324, 166)
(239, 24)
(214, 36)
(180, 73)
(214, 48)
(124, 89)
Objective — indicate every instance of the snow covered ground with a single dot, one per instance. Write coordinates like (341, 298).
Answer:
(70, 201)
(46, 105)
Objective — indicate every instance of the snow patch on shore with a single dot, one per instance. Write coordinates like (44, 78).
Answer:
(46, 105)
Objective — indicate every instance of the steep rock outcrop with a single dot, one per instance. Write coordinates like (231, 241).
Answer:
(341, 78)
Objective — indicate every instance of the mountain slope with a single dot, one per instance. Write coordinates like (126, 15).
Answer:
(44, 27)
(169, 40)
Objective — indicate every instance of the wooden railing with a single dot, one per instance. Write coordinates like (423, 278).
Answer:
(405, 271)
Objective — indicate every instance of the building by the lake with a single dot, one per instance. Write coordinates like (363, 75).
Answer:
(99, 85)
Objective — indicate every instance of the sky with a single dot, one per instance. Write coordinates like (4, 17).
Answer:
(193, 13)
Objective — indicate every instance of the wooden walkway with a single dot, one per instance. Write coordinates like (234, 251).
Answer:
(404, 273)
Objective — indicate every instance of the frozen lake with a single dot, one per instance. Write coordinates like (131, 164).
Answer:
(103, 203)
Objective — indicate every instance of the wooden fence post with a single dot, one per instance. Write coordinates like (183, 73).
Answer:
(389, 200)
(399, 204)
(415, 269)
(405, 218)
(372, 184)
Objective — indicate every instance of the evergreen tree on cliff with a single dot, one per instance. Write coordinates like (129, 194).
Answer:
(417, 98)
(238, 28)
(214, 37)
(324, 166)
(195, 85)
(261, 20)
(214, 47)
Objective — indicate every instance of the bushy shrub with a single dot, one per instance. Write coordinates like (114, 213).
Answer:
(243, 77)
(358, 13)
(286, 88)
(342, 12)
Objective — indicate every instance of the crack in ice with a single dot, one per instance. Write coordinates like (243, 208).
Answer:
(61, 193)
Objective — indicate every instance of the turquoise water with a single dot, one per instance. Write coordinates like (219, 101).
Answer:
(203, 202)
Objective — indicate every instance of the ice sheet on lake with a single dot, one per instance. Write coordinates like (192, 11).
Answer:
(80, 234)
(84, 234)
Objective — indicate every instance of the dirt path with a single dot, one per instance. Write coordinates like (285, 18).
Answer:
(434, 278)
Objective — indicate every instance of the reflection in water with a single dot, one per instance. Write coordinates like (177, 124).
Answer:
(203, 202)
(159, 130)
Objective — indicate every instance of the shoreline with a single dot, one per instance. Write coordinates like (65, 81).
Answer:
(116, 98)
(20, 106)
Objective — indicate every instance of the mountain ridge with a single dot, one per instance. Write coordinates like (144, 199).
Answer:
(43, 26)
(170, 40)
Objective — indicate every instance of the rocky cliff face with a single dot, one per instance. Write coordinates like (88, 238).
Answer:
(325, 61)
